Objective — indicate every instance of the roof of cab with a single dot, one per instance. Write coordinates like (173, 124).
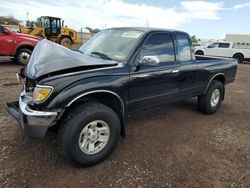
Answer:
(148, 29)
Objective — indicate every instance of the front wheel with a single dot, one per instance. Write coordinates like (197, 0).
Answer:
(210, 102)
(23, 55)
(89, 133)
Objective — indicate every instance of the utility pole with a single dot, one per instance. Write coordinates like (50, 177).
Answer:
(81, 36)
(147, 23)
(27, 14)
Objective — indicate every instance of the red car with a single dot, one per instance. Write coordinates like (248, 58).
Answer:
(18, 45)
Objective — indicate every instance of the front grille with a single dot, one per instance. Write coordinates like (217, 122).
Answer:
(29, 85)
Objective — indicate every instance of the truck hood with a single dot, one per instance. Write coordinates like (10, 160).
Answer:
(28, 36)
(49, 58)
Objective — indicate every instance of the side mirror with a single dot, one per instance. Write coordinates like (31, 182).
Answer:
(5, 31)
(150, 61)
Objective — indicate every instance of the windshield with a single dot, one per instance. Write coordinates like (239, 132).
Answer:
(45, 22)
(112, 44)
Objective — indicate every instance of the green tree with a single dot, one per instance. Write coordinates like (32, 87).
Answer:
(93, 30)
(194, 39)
(9, 20)
(31, 23)
(96, 30)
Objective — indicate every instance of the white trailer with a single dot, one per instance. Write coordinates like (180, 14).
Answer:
(238, 38)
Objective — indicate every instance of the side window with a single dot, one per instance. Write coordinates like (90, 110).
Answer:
(53, 23)
(47, 24)
(213, 45)
(1, 29)
(183, 49)
(160, 45)
(224, 45)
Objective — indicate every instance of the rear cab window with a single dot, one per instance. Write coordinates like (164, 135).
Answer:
(183, 48)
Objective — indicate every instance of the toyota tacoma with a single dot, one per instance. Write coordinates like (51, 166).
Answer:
(86, 95)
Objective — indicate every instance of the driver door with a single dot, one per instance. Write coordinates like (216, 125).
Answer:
(151, 85)
(55, 27)
(6, 41)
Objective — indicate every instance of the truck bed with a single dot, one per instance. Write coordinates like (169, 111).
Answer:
(210, 66)
(212, 58)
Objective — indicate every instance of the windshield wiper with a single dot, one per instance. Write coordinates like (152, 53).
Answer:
(101, 55)
(80, 51)
(77, 51)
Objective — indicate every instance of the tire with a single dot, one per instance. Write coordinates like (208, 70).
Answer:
(239, 57)
(23, 55)
(76, 122)
(66, 42)
(206, 103)
(199, 52)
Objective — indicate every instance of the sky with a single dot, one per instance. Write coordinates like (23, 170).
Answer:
(205, 19)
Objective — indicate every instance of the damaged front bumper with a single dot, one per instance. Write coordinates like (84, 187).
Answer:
(35, 123)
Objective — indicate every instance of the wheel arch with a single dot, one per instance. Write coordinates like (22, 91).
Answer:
(26, 46)
(220, 77)
(106, 97)
(65, 36)
(238, 53)
(199, 50)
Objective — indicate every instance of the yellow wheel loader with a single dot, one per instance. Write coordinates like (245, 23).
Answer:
(53, 29)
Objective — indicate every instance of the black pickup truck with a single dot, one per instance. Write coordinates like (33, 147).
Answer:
(86, 95)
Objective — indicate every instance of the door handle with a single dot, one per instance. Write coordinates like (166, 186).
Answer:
(175, 71)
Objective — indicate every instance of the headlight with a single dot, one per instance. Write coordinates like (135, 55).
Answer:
(41, 93)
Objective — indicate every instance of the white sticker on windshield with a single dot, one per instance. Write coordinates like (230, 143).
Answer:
(131, 34)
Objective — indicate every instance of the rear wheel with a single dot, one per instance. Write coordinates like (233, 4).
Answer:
(199, 52)
(89, 133)
(239, 57)
(66, 42)
(210, 102)
(23, 55)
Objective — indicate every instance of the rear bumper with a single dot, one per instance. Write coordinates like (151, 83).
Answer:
(35, 123)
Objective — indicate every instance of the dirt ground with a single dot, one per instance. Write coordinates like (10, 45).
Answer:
(170, 146)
